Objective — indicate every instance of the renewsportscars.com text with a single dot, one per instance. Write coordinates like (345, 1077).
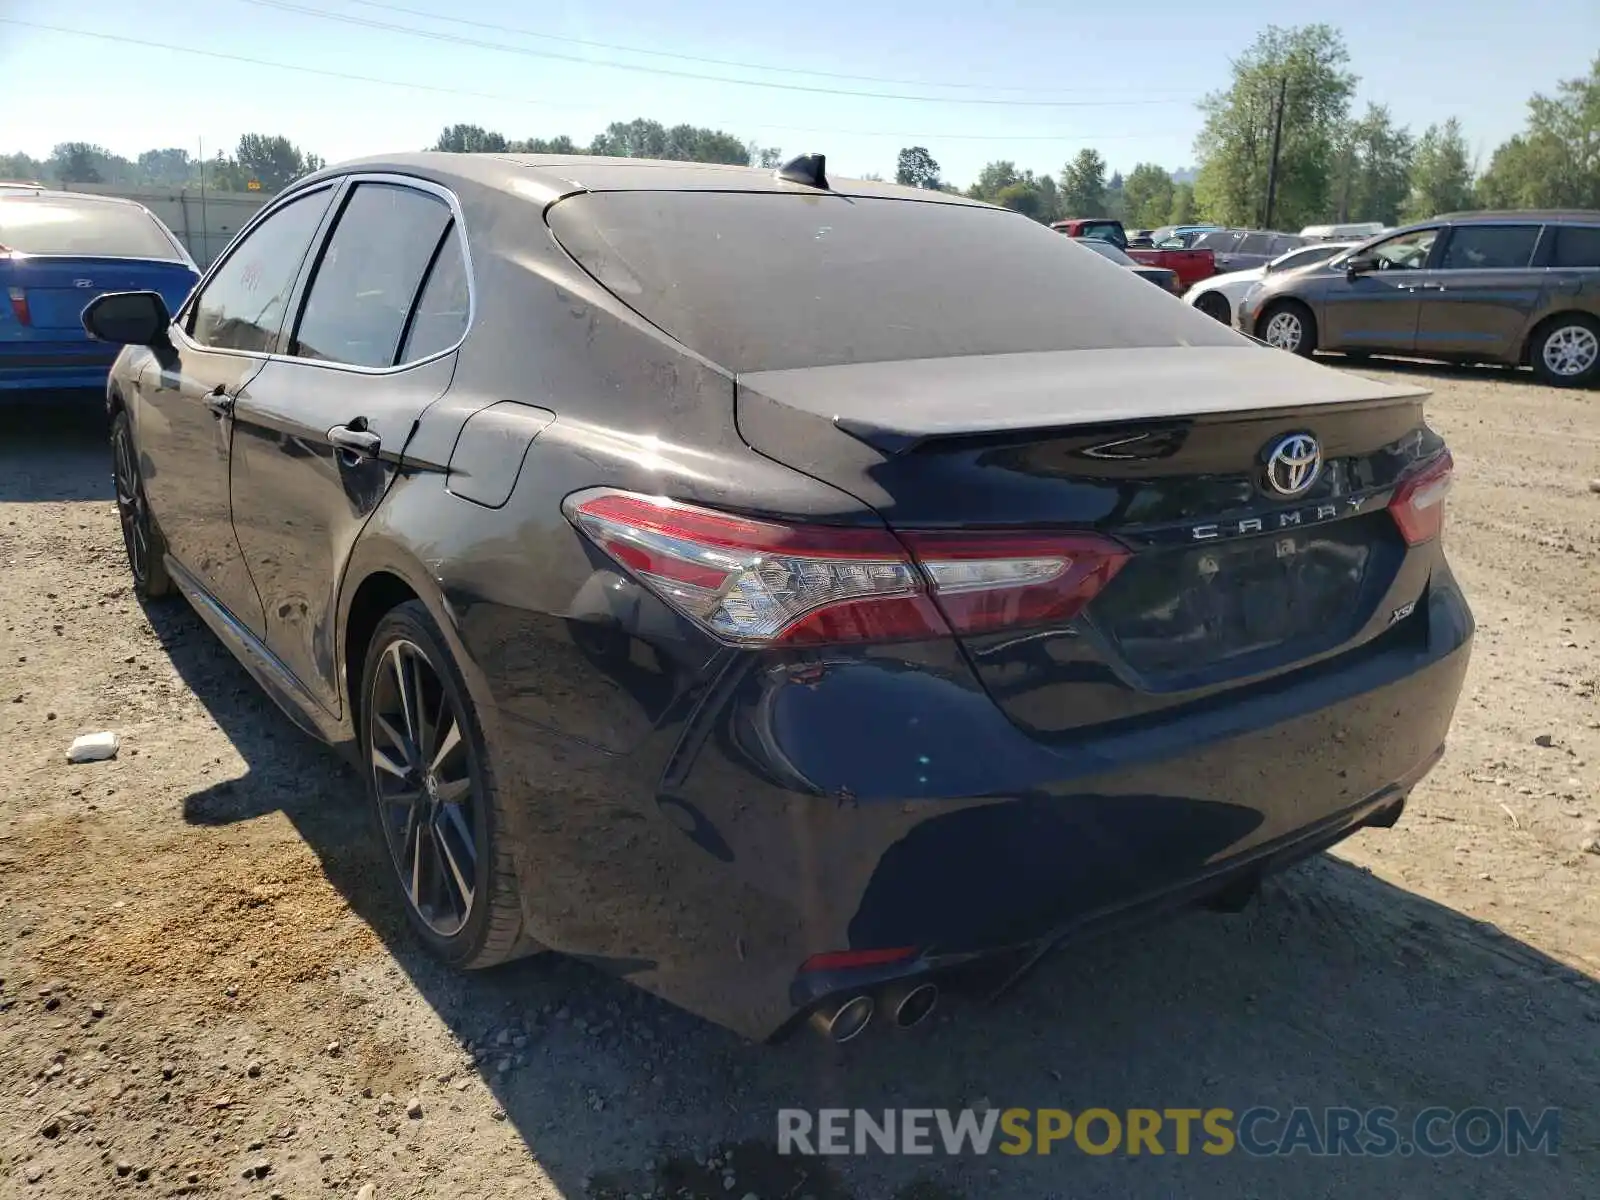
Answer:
(1258, 1131)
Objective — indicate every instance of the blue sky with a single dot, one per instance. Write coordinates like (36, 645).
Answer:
(1123, 80)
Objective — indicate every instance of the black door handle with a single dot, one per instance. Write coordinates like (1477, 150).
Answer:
(362, 443)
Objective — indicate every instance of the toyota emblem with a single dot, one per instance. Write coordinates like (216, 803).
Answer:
(1293, 464)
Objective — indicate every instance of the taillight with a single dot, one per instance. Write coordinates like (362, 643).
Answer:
(19, 305)
(758, 582)
(1418, 503)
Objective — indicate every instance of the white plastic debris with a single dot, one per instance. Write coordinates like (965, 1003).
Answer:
(94, 747)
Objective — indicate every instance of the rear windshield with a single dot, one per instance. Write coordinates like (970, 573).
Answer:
(55, 225)
(768, 281)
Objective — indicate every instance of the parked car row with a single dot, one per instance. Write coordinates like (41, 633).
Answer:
(1219, 295)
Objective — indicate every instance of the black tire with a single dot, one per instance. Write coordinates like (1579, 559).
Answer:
(1214, 304)
(490, 930)
(1284, 316)
(1565, 351)
(141, 538)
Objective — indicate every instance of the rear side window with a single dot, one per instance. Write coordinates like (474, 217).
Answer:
(367, 279)
(242, 306)
(440, 320)
(1489, 247)
(1101, 229)
(37, 224)
(760, 281)
(1576, 246)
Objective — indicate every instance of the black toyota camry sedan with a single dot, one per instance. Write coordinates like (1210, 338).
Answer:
(781, 591)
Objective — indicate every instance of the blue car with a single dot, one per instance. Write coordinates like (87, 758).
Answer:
(58, 251)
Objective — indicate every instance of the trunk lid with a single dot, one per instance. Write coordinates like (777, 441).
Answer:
(1164, 451)
(56, 288)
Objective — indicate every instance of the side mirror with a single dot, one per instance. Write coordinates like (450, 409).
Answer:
(1359, 266)
(128, 318)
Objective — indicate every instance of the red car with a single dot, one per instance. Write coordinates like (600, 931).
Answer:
(1190, 266)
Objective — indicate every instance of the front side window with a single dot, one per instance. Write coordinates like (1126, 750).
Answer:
(242, 306)
(356, 308)
(1256, 243)
(1489, 247)
(1407, 252)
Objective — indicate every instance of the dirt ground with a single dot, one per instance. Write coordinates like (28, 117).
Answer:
(208, 990)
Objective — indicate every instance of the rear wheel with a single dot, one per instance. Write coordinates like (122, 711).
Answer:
(140, 537)
(1289, 325)
(434, 795)
(1214, 304)
(1566, 352)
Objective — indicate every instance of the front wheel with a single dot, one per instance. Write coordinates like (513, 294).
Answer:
(434, 795)
(1214, 304)
(140, 537)
(1566, 352)
(1290, 326)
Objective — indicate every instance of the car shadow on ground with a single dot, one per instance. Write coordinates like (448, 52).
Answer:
(60, 438)
(1480, 372)
(1336, 989)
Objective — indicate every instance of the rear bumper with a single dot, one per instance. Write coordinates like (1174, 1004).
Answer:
(825, 803)
(36, 366)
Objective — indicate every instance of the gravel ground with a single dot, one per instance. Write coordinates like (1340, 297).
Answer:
(208, 990)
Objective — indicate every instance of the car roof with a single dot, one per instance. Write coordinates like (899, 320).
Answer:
(548, 177)
(28, 192)
(1520, 214)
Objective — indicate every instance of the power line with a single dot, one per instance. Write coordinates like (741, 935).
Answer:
(523, 31)
(479, 43)
(351, 77)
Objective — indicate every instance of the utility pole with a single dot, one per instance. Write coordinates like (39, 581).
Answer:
(1277, 139)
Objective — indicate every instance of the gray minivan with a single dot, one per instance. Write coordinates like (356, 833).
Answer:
(1505, 287)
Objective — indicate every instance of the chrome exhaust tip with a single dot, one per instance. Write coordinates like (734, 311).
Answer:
(844, 1020)
(911, 1004)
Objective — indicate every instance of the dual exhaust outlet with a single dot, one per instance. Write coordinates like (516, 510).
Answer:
(907, 1004)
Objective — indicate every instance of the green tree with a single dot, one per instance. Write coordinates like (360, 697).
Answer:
(1235, 142)
(917, 168)
(270, 163)
(166, 168)
(471, 139)
(1022, 196)
(993, 179)
(1184, 210)
(78, 162)
(643, 138)
(560, 144)
(1083, 185)
(1116, 200)
(1441, 174)
(21, 168)
(1147, 196)
(1049, 200)
(1372, 168)
(763, 156)
(1555, 161)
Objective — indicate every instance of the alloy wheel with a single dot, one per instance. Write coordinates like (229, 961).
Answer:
(1571, 350)
(1284, 331)
(131, 510)
(423, 777)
